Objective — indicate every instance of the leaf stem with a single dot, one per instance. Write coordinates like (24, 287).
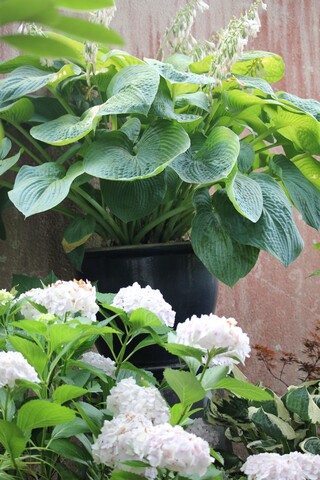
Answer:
(36, 145)
(26, 149)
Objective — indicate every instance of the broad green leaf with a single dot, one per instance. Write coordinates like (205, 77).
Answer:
(184, 351)
(245, 195)
(203, 66)
(78, 232)
(41, 188)
(299, 401)
(29, 79)
(7, 163)
(46, 109)
(224, 257)
(118, 59)
(300, 128)
(254, 82)
(311, 445)
(31, 326)
(124, 475)
(266, 65)
(275, 231)
(131, 90)
(132, 129)
(41, 414)
(111, 156)
(308, 105)
(133, 200)
(246, 157)
(238, 101)
(198, 99)
(19, 10)
(12, 438)
(20, 61)
(310, 167)
(17, 112)
(32, 353)
(185, 385)
(5, 147)
(83, 4)
(305, 196)
(66, 449)
(214, 161)
(65, 393)
(271, 425)
(167, 71)
(69, 429)
(213, 375)
(67, 129)
(62, 335)
(142, 318)
(244, 389)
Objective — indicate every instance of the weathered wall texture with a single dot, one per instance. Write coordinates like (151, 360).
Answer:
(276, 306)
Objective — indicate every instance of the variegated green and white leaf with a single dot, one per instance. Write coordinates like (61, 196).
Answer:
(270, 424)
(300, 402)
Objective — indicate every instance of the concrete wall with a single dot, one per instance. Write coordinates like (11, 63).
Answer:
(276, 306)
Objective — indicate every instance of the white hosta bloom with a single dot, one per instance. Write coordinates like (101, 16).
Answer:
(127, 396)
(272, 466)
(121, 439)
(209, 332)
(133, 297)
(99, 361)
(5, 297)
(177, 450)
(13, 366)
(63, 299)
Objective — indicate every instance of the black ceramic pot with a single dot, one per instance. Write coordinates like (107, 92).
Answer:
(172, 268)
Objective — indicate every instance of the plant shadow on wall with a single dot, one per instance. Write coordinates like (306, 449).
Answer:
(160, 150)
(68, 413)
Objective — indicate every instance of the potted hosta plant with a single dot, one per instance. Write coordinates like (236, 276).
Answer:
(156, 151)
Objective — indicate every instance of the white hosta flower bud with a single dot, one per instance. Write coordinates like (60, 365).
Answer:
(177, 450)
(13, 366)
(209, 332)
(272, 466)
(99, 361)
(133, 297)
(127, 394)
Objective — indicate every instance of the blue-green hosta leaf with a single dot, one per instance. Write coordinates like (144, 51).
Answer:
(167, 71)
(308, 105)
(66, 129)
(266, 65)
(305, 196)
(28, 79)
(245, 157)
(41, 414)
(310, 167)
(20, 61)
(299, 401)
(12, 438)
(41, 188)
(46, 109)
(239, 100)
(133, 200)
(215, 159)
(7, 163)
(271, 425)
(111, 157)
(225, 258)
(198, 99)
(5, 147)
(118, 58)
(132, 129)
(163, 107)
(245, 195)
(78, 232)
(300, 128)
(275, 231)
(254, 82)
(131, 90)
(17, 112)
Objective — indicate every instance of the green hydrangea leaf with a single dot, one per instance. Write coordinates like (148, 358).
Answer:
(12, 438)
(41, 414)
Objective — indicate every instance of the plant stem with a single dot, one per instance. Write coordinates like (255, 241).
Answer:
(41, 150)
(5, 184)
(26, 149)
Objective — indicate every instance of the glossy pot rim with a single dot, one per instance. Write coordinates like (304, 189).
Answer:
(145, 249)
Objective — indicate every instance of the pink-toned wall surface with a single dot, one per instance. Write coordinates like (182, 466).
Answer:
(276, 306)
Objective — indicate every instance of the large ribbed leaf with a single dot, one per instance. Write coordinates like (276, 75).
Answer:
(198, 99)
(131, 90)
(239, 100)
(215, 159)
(42, 413)
(7, 163)
(266, 65)
(245, 195)
(300, 128)
(305, 196)
(5, 147)
(245, 157)
(19, 61)
(254, 82)
(28, 79)
(17, 112)
(310, 167)
(66, 129)
(308, 105)
(168, 72)
(225, 258)
(274, 232)
(163, 107)
(132, 200)
(113, 156)
(41, 188)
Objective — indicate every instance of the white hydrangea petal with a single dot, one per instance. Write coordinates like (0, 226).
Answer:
(99, 361)
(13, 366)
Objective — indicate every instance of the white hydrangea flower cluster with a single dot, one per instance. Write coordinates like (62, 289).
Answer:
(99, 361)
(147, 436)
(133, 297)
(209, 332)
(62, 299)
(292, 466)
(13, 366)
(151, 404)
(5, 297)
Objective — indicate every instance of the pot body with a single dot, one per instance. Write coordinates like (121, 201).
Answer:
(174, 269)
